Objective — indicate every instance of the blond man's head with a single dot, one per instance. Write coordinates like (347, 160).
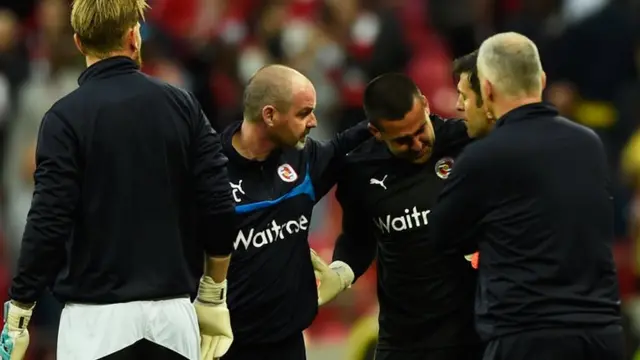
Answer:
(106, 27)
(509, 69)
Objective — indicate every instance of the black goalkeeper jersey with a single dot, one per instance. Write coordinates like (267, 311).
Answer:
(426, 297)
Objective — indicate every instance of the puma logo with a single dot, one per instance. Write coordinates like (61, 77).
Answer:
(378, 182)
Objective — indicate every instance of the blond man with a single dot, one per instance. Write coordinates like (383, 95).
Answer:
(131, 188)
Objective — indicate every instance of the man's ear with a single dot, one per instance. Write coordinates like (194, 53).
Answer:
(543, 80)
(76, 40)
(425, 102)
(375, 132)
(487, 91)
(268, 113)
(132, 38)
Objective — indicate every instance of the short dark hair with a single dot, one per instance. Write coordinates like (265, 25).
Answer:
(389, 97)
(467, 64)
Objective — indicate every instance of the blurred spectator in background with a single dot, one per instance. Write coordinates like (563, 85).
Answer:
(14, 67)
(54, 71)
(589, 48)
(54, 68)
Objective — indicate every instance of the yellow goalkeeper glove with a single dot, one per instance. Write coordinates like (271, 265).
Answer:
(333, 278)
(15, 336)
(213, 317)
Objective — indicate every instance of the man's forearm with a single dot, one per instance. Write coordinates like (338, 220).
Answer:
(216, 267)
(358, 256)
(328, 158)
(219, 232)
(219, 245)
(349, 139)
(41, 259)
(50, 220)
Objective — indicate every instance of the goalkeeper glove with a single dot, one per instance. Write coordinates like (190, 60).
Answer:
(213, 317)
(333, 278)
(15, 336)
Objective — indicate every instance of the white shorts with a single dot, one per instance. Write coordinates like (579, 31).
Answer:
(90, 332)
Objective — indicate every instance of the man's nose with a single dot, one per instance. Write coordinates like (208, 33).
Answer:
(313, 122)
(416, 144)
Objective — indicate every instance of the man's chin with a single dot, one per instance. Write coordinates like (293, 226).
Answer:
(422, 158)
(300, 144)
(476, 134)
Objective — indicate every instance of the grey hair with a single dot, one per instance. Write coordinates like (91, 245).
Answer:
(511, 62)
(270, 85)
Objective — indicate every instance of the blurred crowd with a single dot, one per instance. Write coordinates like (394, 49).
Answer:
(590, 51)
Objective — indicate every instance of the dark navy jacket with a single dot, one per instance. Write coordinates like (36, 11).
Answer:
(534, 197)
(130, 186)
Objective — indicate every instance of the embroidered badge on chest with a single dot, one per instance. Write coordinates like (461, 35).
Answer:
(443, 167)
(286, 173)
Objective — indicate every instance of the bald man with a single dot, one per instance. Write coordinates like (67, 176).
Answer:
(277, 175)
(533, 196)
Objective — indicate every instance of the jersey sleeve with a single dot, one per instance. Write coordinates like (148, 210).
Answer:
(50, 218)
(453, 132)
(213, 191)
(356, 245)
(326, 157)
(460, 206)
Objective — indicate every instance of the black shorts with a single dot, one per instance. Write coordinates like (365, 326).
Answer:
(449, 353)
(289, 349)
(559, 344)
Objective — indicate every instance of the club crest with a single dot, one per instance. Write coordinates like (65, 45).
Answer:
(287, 173)
(444, 167)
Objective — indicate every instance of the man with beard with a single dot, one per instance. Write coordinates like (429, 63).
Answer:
(277, 175)
(534, 196)
(470, 104)
(387, 188)
(130, 186)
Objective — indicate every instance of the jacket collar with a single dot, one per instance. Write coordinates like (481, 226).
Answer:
(108, 68)
(526, 112)
(235, 157)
